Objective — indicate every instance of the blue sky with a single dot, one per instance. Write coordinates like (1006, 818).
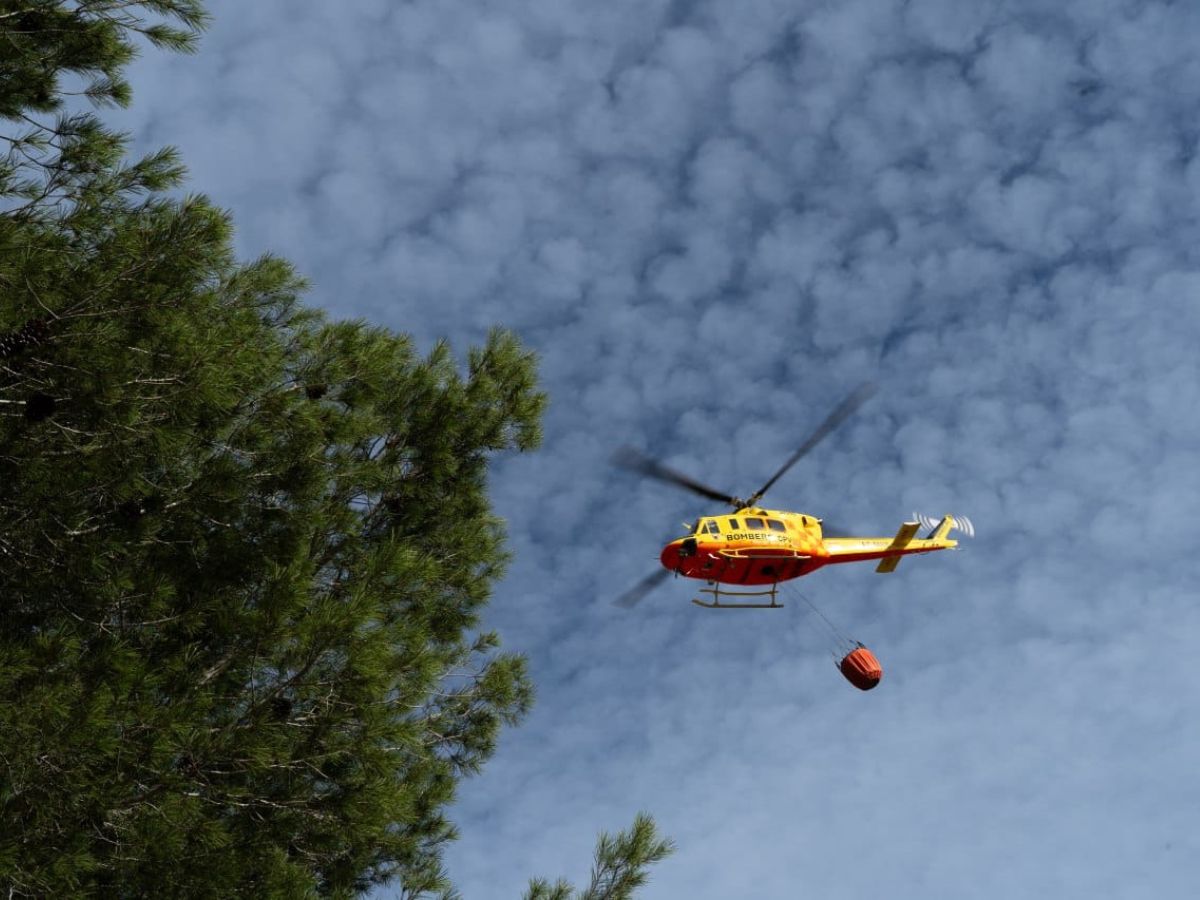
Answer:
(713, 220)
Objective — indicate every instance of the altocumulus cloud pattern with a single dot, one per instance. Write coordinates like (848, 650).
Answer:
(711, 220)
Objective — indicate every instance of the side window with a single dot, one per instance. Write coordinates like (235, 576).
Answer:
(755, 524)
(733, 525)
(775, 525)
(712, 528)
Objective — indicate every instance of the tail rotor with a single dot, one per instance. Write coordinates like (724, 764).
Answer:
(957, 523)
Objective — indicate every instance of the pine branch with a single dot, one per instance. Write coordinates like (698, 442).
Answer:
(619, 868)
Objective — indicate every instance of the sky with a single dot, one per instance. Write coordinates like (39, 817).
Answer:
(712, 221)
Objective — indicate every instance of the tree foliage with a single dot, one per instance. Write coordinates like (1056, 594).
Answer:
(244, 550)
(619, 869)
(54, 51)
(243, 559)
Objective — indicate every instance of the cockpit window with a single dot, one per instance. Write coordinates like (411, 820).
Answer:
(775, 525)
(756, 524)
(712, 528)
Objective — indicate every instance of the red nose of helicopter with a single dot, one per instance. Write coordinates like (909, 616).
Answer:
(676, 553)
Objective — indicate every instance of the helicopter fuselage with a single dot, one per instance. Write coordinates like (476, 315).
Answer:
(755, 546)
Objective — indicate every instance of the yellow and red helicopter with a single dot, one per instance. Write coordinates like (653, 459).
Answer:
(753, 547)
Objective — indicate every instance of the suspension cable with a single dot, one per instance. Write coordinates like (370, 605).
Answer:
(838, 636)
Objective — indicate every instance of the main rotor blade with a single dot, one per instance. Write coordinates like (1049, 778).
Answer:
(845, 409)
(638, 592)
(628, 458)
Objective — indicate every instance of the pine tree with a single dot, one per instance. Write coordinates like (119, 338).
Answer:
(244, 550)
(243, 563)
(50, 151)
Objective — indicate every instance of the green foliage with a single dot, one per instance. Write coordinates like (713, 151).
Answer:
(244, 550)
(50, 153)
(619, 869)
(243, 563)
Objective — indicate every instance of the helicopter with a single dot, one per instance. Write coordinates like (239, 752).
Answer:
(744, 555)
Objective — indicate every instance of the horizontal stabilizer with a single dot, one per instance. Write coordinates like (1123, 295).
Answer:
(888, 564)
(899, 542)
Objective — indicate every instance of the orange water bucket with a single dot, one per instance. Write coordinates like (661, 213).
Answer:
(861, 668)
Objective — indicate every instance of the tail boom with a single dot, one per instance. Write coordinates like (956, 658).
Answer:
(890, 550)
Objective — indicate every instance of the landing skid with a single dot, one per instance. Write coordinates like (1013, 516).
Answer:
(716, 593)
(714, 587)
